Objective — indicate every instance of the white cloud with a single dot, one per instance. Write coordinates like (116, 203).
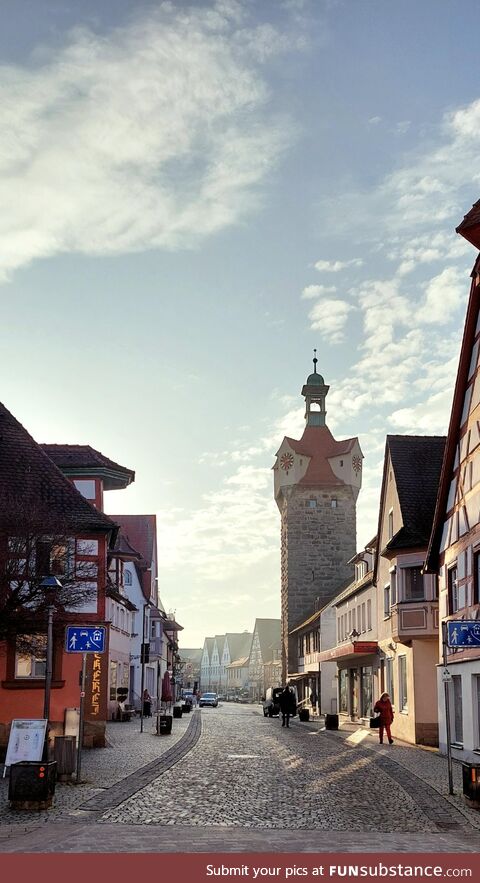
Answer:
(329, 317)
(374, 121)
(154, 135)
(337, 266)
(312, 291)
(444, 295)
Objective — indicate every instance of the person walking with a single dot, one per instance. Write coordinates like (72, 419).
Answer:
(147, 704)
(287, 704)
(384, 708)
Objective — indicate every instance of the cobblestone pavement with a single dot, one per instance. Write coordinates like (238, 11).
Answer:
(246, 784)
(247, 771)
(128, 750)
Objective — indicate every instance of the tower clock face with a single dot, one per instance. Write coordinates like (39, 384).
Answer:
(286, 461)
(357, 465)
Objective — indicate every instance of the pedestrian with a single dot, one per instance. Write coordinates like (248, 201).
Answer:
(288, 706)
(313, 700)
(147, 704)
(384, 708)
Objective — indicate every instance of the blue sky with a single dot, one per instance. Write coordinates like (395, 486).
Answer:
(194, 196)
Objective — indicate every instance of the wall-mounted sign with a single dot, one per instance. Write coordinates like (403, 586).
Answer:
(85, 639)
(463, 633)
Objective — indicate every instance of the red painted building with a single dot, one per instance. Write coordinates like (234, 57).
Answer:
(38, 501)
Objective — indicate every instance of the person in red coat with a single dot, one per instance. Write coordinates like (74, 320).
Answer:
(385, 710)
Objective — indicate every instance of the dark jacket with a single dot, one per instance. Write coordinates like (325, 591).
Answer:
(287, 703)
(384, 708)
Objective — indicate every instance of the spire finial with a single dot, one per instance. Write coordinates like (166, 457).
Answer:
(315, 360)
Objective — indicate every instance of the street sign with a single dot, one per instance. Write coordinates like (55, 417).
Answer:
(446, 676)
(463, 633)
(85, 639)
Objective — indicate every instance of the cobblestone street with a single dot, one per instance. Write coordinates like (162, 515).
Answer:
(229, 776)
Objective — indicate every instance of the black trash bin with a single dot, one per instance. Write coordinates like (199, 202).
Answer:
(32, 784)
(304, 714)
(331, 721)
(164, 724)
(177, 710)
(471, 783)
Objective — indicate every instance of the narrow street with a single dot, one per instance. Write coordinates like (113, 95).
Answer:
(231, 780)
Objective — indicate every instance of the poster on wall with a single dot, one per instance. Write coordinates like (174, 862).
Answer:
(26, 740)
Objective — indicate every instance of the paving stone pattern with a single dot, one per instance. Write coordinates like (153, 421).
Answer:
(128, 786)
(247, 771)
(127, 750)
(230, 780)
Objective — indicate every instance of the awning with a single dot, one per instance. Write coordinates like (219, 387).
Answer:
(349, 650)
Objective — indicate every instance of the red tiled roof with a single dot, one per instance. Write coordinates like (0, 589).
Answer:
(470, 226)
(141, 533)
(318, 443)
(29, 478)
(84, 457)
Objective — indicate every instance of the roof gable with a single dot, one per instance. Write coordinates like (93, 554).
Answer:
(416, 463)
(28, 477)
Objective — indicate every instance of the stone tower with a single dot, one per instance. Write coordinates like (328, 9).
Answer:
(317, 481)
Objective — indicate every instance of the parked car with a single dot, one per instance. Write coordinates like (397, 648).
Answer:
(271, 705)
(208, 699)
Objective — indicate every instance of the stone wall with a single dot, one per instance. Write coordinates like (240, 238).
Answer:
(316, 543)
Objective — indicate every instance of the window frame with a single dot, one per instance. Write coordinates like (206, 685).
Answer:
(403, 683)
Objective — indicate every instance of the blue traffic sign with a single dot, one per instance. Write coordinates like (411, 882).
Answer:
(463, 633)
(85, 639)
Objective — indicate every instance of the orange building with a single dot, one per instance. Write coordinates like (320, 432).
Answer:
(59, 527)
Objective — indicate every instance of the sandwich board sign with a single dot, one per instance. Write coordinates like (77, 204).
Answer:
(26, 740)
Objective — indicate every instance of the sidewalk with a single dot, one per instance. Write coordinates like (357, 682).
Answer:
(422, 761)
(127, 751)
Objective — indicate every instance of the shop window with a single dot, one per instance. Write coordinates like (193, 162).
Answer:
(366, 679)
(413, 585)
(343, 690)
(457, 709)
(113, 679)
(31, 659)
(402, 683)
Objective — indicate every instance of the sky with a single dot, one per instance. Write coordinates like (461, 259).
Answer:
(194, 196)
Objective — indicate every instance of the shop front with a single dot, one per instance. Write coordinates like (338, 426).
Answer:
(358, 666)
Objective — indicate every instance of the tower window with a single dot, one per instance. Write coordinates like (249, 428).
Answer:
(341, 462)
(312, 504)
(334, 503)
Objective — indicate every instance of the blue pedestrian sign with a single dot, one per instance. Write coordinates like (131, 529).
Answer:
(85, 639)
(463, 633)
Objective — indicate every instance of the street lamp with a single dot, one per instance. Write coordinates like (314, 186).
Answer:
(49, 584)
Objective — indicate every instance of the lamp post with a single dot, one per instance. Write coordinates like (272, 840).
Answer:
(49, 584)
